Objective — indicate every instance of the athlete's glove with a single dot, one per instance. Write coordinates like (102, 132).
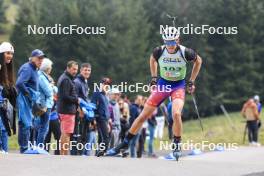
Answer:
(190, 87)
(153, 81)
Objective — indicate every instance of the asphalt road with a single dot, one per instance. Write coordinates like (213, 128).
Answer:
(243, 161)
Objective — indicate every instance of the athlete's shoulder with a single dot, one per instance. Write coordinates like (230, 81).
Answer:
(189, 54)
(157, 52)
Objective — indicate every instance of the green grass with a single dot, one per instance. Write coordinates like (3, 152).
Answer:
(217, 129)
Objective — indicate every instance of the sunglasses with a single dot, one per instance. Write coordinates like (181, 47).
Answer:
(170, 42)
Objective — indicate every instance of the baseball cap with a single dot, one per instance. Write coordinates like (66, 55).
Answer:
(37, 53)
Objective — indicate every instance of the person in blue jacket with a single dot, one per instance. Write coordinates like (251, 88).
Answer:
(102, 115)
(27, 80)
(45, 98)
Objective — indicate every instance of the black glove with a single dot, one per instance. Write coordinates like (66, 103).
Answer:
(153, 80)
(190, 87)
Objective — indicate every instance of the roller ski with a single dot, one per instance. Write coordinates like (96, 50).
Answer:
(120, 150)
(174, 155)
(177, 152)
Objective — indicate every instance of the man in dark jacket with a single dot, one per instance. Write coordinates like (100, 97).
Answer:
(81, 124)
(102, 115)
(27, 79)
(67, 104)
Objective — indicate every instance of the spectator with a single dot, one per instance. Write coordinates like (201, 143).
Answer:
(46, 99)
(124, 119)
(102, 115)
(259, 105)
(27, 85)
(54, 123)
(250, 112)
(8, 91)
(115, 116)
(152, 123)
(81, 124)
(134, 112)
(143, 133)
(67, 104)
(160, 118)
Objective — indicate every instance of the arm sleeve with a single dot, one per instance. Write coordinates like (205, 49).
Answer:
(23, 77)
(157, 53)
(190, 54)
(66, 92)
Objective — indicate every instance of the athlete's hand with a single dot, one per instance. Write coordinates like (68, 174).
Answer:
(153, 80)
(190, 87)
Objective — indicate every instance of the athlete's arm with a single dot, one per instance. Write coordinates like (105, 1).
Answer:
(196, 68)
(153, 66)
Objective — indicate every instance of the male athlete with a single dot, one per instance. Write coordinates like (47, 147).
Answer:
(171, 58)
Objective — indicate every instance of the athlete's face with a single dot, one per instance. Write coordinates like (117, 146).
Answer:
(171, 45)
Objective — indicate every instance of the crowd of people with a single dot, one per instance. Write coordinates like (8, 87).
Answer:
(45, 108)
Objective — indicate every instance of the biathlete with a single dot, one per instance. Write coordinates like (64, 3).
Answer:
(171, 59)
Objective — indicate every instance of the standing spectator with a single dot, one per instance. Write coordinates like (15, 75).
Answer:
(134, 112)
(250, 112)
(27, 85)
(81, 124)
(143, 133)
(115, 116)
(152, 123)
(102, 115)
(54, 123)
(46, 99)
(8, 91)
(160, 118)
(259, 105)
(67, 104)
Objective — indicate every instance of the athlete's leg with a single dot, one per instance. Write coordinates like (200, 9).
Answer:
(177, 106)
(143, 116)
(178, 97)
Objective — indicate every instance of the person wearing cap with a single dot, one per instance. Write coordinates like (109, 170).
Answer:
(171, 60)
(102, 114)
(257, 101)
(250, 112)
(259, 105)
(115, 116)
(67, 104)
(81, 124)
(8, 91)
(27, 81)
